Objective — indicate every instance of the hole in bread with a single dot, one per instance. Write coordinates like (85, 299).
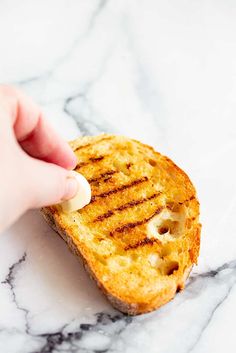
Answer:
(166, 226)
(152, 162)
(171, 267)
(179, 288)
(163, 230)
(174, 207)
(189, 222)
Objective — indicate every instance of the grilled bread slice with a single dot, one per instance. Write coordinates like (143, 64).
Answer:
(140, 235)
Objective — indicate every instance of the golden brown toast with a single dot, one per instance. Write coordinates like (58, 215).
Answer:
(140, 235)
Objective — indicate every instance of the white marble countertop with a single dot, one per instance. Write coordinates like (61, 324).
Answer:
(160, 71)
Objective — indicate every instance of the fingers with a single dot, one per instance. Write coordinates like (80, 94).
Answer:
(48, 184)
(45, 144)
(33, 132)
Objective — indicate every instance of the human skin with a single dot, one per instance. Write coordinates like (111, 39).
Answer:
(35, 162)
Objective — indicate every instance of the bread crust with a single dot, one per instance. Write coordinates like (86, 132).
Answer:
(129, 304)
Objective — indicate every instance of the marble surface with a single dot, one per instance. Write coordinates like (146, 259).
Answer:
(163, 72)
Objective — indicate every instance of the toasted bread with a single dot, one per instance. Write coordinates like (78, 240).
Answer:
(140, 235)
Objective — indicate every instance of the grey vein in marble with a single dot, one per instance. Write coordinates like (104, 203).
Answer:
(9, 280)
(72, 341)
(212, 274)
(60, 61)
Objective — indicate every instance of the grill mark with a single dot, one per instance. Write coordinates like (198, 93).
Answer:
(171, 206)
(121, 188)
(125, 206)
(108, 178)
(132, 225)
(91, 159)
(103, 216)
(91, 144)
(101, 176)
(137, 202)
(95, 159)
(143, 242)
(83, 146)
(190, 199)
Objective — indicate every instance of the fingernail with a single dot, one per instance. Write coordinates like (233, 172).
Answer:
(71, 187)
(74, 162)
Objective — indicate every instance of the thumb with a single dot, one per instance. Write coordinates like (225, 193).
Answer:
(49, 184)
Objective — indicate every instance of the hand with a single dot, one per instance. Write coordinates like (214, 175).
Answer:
(34, 160)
